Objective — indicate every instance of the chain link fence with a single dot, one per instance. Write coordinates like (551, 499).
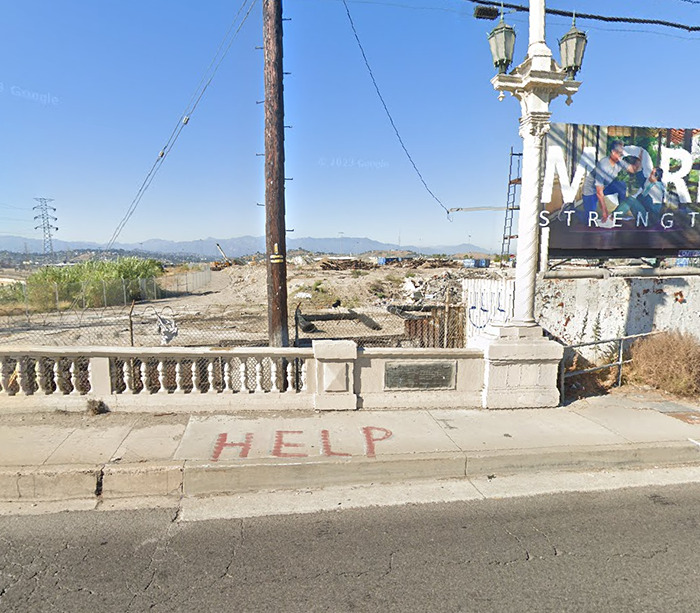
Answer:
(163, 322)
(90, 313)
(186, 310)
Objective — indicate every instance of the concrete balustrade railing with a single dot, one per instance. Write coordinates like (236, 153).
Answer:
(331, 375)
(147, 376)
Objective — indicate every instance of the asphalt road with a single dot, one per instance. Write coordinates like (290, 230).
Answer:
(627, 550)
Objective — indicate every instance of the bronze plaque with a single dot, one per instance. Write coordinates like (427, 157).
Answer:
(419, 375)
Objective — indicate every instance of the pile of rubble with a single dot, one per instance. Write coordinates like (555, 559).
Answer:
(345, 264)
(440, 288)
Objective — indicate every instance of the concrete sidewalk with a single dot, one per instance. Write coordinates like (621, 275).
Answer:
(114, 456)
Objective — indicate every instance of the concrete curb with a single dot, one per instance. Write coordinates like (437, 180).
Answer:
(55, 482)
(175, 479)
(143, 479)
(205, 478)
(518, 461)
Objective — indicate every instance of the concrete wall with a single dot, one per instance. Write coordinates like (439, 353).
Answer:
(583, 310)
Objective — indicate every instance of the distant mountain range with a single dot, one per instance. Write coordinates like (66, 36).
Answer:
(237, 247)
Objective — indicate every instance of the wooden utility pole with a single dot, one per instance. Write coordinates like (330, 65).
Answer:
(278, 331)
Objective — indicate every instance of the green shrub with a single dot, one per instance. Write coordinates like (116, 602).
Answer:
(377, 288)
(88, 284)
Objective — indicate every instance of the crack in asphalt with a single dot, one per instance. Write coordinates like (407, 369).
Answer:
(162, 546)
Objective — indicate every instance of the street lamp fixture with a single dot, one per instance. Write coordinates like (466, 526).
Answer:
(571, 47)
(502, 43)
(535, 82)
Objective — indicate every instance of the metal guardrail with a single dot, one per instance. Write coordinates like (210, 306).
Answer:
(563, 374)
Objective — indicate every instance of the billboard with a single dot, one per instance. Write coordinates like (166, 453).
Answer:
(619, 191)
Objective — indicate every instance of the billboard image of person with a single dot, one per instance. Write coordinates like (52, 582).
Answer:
(610, 191)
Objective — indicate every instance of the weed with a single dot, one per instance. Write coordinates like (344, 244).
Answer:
(377, 288)
(669, 361)
(358, 273)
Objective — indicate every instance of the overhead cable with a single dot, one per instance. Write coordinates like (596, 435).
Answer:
(591, 16)
(388, 114)
(184, 119)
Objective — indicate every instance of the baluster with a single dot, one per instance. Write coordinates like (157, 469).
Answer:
(161, 377)
(73, 375)
(242, 371)
(35, 383)
(52, 375)
(3, 376)
(41, 376)
(178, 377)
(210, 377)
(57, 375)
(303, 376)
(144, 379)
(273, 375)
(7, 373)
(23, 376)
(228, 385)
(290, 376)
(128, 373)
(193, 369)
(89, 375)
(258, 376)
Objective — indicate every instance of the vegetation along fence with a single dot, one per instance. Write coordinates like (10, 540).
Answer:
(614, 352)
(96, 312)
(46, 296)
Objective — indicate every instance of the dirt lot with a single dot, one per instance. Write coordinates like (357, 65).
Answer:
(232, 309)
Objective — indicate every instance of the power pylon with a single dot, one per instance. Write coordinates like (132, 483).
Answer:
(46, 223)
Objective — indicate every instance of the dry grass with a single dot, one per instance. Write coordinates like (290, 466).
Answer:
(669, 361)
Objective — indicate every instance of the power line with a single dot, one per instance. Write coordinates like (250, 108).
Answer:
(12, 206)
(388, 114)
(592, 16)
(184, 119)
(602, 27)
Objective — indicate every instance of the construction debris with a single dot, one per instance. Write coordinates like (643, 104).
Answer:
(345, 264)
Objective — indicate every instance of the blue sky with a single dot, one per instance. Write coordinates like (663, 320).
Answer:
(90, 92)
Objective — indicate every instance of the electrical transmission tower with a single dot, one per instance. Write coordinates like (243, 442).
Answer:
(46, 223)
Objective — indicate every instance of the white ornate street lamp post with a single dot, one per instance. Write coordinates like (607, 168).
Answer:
(521, 366)
(535, 83)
